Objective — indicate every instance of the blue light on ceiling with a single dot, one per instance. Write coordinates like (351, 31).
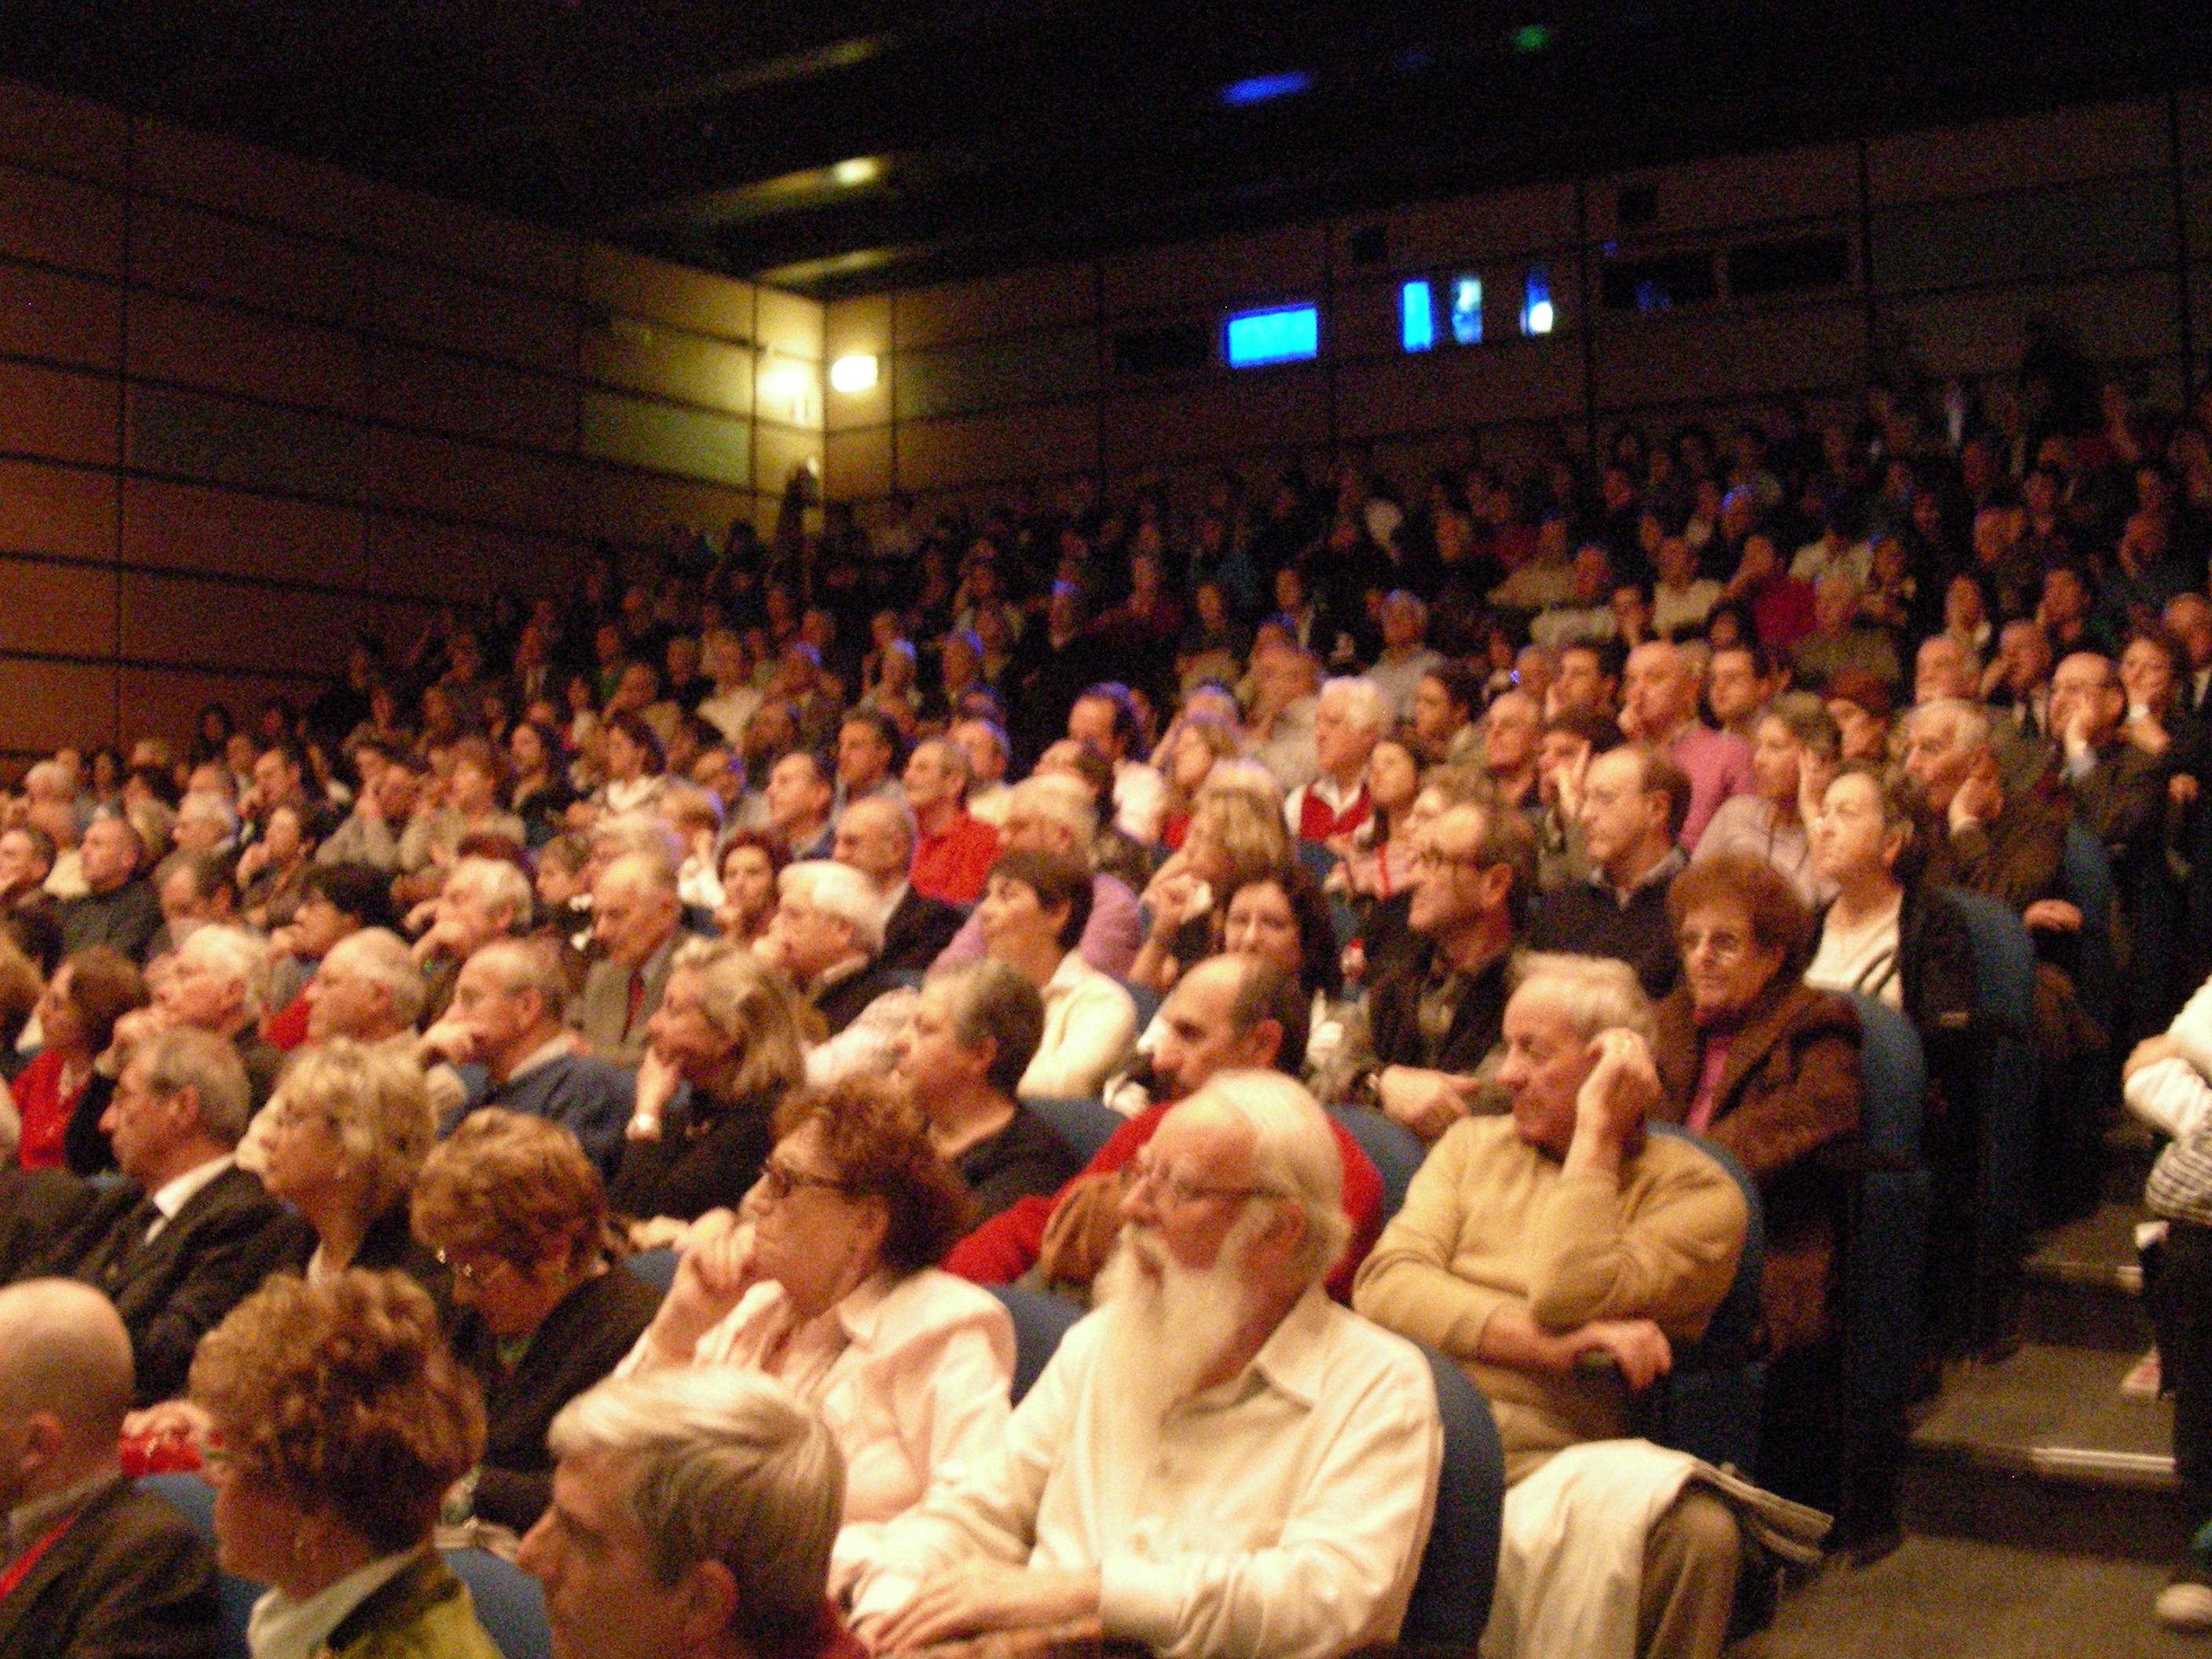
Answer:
(1261, 88)
(1417, 316)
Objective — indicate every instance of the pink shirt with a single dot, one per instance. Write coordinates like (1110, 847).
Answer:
(1719, 766)
(912, 1374)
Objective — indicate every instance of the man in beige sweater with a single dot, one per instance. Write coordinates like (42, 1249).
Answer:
(1559, 1254)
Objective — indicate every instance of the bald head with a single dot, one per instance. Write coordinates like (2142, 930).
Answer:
(65, 1367)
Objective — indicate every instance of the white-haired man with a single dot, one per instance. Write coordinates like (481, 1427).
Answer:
(482, 900)
(1349, 721)
(637, 918)
(1055, 814)
(876, 836)
(692, 1516)
(1221, 1460)
(1534, 1243)
(827, 933)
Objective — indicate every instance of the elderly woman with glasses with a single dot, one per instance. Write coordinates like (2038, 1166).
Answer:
(516, 1213)
(1756, 1060)
(827, 1280)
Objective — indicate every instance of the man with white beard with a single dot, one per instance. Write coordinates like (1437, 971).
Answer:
(1220, 1461)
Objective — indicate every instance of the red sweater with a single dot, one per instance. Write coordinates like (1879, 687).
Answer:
(1006, 1247)
(45, 1114)
(952, 867)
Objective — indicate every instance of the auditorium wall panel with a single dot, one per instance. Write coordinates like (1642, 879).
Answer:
(249, 402)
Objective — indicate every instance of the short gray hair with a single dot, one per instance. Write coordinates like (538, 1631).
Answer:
(239, 952)
(186, 1057)
(1364, 703)
(989, 1001)
(1598, 993)
(1294, 1156)
(839, 890)
(723, 1464)
(1971, 718)
(497, 884)
(384, 959)
(1062, 800)
(529, 964)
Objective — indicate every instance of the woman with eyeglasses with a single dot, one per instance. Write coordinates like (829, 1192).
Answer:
(517, 1214)
(1757, 1061)
(827, 1280)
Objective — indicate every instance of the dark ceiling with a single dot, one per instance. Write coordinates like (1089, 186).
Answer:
(840, 146)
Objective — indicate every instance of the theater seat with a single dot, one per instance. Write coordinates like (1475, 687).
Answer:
(1886, 1253)
(1459, 1566)
(1040, 1321)
(1711, 1404)
(508, 1602)
(656, 1267)
(1084, 1125)
(1395, 1151)
(2000, 1186)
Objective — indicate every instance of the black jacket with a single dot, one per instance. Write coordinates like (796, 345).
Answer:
(1394, 1016)
(172, 1289)
(917, 932)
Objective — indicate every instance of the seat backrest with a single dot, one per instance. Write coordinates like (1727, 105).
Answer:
(1084, 1125)
(656, 1267)
(1040, 1321)
(1712, 1401)
(509, 1603)
(2004, 994)
(2087, 871)
(1887, 1243)
(1893, 1076)
(1395, 1151)
(1147, 1001)
(1459, 1566)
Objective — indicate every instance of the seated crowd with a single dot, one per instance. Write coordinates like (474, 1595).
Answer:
(583, 1080)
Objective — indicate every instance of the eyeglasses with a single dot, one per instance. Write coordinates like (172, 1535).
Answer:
(778, 1180)
(469, 1273)
(1725, 946)
(1144, 1173)
(1431, 863)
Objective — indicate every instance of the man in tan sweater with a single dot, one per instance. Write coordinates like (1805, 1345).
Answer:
(1559, 1254)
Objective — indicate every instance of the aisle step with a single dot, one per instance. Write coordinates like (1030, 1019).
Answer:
(2082, 1285)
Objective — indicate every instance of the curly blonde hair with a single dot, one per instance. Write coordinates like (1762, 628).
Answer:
(511, 1185)
(340, 1396)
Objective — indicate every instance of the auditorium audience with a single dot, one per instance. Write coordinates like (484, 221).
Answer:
(76, 1015)
(1033, 912)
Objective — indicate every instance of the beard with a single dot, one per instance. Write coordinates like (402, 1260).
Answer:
(1167, 1327)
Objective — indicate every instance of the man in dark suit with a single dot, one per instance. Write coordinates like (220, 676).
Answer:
(876, 836)
(637, 918)
(118, 906)
(826, 933)
(89, 1564)
(188, 1234)
(1437, 1008)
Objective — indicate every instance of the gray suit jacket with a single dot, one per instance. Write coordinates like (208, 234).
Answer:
(601, 1011)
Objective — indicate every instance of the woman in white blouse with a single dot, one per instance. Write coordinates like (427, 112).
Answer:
(1034, 909)
(827, 1281)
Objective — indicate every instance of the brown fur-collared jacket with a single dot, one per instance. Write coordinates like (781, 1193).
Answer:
(1787, 1107)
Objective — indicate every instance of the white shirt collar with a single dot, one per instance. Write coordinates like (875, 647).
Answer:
(281, 1628)
(172, 1196)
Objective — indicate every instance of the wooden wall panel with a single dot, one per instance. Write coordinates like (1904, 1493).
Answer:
(465, 562)
(1457, 389)
(64, 610)
(1057, 296)
(221, 348)
(187, 434)
(57, 414)
(48, 704)
(629, 284)
(219, 624)
(1723, 355)
(64, 134)
(188, 249)
(450, 478)
(941, 454)
(1265, 409)
(2123, 318)
(777, 450)
(788, 323)
(75, 320)
(1254, 269)
(55, 510)
(165, 702)
(181, 526)
(451, 234)
(1506, 224)
(1733, 192)
(60, 222)
(2057, 148)
(857, 465)
(643, 508)
(254, 183)
(437, 308)
(670, 362)
(665, 436)
(439, 393)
